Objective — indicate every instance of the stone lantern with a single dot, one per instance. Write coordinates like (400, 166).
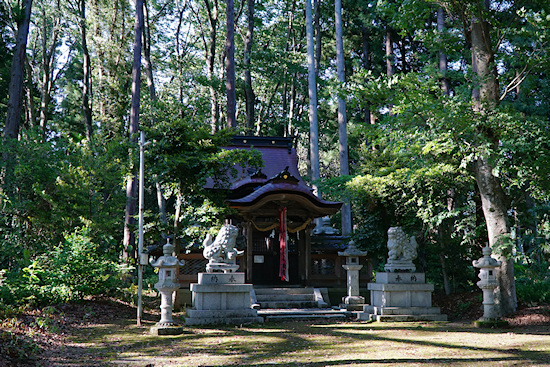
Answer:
(488, 282)
(352, 267)
(168, 269)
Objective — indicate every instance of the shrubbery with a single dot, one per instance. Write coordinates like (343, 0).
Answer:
(72, 270)
(533, 283)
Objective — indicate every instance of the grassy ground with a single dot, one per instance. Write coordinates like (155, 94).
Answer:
(105, 334)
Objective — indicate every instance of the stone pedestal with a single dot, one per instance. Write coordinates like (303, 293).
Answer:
(168, 266)
(353, 301)
(401, 297)
(221, 298)
(488, 282)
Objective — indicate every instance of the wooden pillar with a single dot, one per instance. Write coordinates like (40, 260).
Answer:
(301, 243)
(249, 254)
(307, 252)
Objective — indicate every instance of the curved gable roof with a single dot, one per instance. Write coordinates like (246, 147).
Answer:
(278, 184)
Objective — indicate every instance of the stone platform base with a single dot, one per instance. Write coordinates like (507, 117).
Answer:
(221, 298)
(166, 330)
(351, 307)
(221, 317)
(398, 314)
(401, 297)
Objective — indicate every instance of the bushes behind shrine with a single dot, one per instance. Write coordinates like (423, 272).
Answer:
(533, 283)
(73, 270)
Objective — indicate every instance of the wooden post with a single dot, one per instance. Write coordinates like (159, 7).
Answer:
(249, 254)
(307, 255)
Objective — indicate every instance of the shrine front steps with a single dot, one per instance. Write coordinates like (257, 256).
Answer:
(305, 314)
(290, 298)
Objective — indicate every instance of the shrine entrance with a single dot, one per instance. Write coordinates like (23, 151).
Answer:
(266, 259)
(275, 211)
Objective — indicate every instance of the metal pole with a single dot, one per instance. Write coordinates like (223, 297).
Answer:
(140, 233)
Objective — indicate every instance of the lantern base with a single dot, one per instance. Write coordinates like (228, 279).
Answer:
(221, 298)
(490, 323)
(165, 329)
(399, 297)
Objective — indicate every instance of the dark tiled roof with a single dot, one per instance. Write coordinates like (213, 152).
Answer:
(257, 192)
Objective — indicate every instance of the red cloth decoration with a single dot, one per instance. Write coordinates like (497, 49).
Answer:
(283, 239)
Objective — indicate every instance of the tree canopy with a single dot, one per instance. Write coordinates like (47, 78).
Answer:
(447, 106)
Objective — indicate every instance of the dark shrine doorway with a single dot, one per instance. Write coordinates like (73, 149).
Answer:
(266, 259)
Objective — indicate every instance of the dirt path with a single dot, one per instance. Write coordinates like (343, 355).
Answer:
(103, 333)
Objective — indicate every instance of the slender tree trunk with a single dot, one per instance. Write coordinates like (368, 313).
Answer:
(366, 66)
(442, 55)
(100, 57)
(15, 91)
(48, 57)
(317, 22)
(210, 50)
(493, 199)
(390, 68)
(230, 66)
(30, 106)
(15, 99)
(249, 92)
(291, 47)
(161, 201)
(447, 226)
(312, 92)
(148, 65)
(342, 119)
(131, 190)
(87, 74)
(389, 53)
(177, 215)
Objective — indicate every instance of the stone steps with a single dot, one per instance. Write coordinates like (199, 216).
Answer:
(289, 298)
(304, 314)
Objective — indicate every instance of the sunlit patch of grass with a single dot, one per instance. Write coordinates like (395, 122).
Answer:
(326, 344)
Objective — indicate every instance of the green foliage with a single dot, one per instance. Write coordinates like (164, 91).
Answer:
(61, 185)
(74, 269)
(533, 283)
(17, 348)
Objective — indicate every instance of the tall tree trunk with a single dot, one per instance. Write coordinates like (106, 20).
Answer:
(230, 66)
(312, 92)
(317, 22)
(15, 99)
(366, 65)
(49, 34)
(291, 47)
(403, 52)
(161, 201)
(447, 226)
(87, 74)
(31, 114)
(389, 53)
(493, 199)
(210, 50)
(442, 55)
(148, 65)
(249, 92)
(131, 189)
(15, 91)
(390, 67)
(342, 118)
(48, 55)
(445, 230)
(100, 58)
